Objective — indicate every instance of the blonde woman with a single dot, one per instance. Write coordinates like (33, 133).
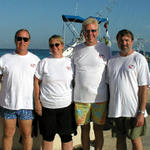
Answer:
(53, 96)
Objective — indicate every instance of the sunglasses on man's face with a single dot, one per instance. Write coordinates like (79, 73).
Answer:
(88, 31)
(52, 45)
(22, 38)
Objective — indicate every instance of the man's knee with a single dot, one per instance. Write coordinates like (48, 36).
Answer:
(9, 132)
(85, 127)
(137, 141)
(26, 135)
(85, 130)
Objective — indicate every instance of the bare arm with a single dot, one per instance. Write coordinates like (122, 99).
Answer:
(38, 106)
(143, 95)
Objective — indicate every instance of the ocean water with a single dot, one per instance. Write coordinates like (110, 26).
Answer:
(41, 53)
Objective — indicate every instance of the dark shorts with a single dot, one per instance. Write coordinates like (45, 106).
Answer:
(126, 126)
(61, 121)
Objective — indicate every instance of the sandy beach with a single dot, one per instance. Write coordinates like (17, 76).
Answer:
(109, 142)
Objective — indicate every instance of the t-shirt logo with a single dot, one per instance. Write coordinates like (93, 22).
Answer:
(131, 66)
(33, 65)
(68, 68)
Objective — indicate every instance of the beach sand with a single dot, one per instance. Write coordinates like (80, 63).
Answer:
(109, 142)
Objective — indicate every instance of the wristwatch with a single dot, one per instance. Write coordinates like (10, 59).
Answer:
(142, 112)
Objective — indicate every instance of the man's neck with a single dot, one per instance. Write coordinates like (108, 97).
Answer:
(90, 44)
(124, 54)
(20, 52)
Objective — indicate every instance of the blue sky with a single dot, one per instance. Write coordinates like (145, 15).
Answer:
(43, 18)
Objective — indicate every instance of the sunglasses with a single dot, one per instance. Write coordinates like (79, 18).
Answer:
(52, 45)
(22, 38)
(93, 31)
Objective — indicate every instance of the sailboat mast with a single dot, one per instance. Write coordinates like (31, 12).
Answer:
(76, 8)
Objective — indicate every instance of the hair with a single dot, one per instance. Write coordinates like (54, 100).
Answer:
(124, 32)
(88, 21)
(57, 37)
(20, 30)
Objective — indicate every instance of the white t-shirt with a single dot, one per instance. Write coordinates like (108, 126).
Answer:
(17, 81)
(125, 75)
(90, 71)
(56, 75)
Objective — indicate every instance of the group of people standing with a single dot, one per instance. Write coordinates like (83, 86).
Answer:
(89, 87)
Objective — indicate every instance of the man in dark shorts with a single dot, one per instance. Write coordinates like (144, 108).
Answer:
(128, 79)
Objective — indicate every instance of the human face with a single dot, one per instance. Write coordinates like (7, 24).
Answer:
(125, 45)
(56, 47)
(91, 33)
(21, 44)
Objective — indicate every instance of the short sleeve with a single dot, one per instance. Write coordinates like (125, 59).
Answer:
(143, 72)
(39, 70)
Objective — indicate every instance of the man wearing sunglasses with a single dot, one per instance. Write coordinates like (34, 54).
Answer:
(16, 95)
(90, 92)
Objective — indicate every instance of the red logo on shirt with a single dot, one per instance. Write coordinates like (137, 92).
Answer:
(32, 65)
(68, 68)
(131, 66)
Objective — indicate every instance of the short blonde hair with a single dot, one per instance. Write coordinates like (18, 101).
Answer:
(89, 21)
(57, 37)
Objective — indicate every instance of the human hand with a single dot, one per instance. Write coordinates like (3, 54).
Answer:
(140, 120)
(38, 108)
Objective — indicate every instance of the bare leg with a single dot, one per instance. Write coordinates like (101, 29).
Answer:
(25, 127)
(121, 143)
(99, 139)
(85, 139)
(67, 146)
(137, 144)
(47, 145)
(9, 131)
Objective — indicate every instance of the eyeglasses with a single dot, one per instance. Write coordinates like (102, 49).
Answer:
(22, 38)
(52, 45)
(93, 31)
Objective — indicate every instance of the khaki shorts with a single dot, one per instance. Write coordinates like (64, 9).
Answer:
(86, 112)
(126, 126)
